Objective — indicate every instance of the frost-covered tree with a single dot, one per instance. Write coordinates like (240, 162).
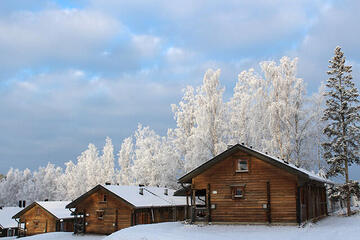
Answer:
(342, 118)
(185, 117)
(147, 158)
(47, 183)
(201, 121)
(316, 137)
(147, 145)
(287, 122)
(126, 159)
(248, 116)
(18, 185)
(268, 112)
(107, 162)
(74, 180)
(83, 175)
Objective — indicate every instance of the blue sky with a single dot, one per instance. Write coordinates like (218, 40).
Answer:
(74, 72)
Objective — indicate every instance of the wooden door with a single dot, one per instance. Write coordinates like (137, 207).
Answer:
(268, 205)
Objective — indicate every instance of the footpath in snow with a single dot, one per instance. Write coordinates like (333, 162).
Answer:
(334, 227)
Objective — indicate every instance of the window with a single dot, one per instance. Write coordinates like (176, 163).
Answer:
(100, 214)
(38, 211)
(237, 191)
(36, 223)
(105, 197)
(11, 232)
(242, 165)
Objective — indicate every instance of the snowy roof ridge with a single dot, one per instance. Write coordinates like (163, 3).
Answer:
(56, 208)
(151, 197)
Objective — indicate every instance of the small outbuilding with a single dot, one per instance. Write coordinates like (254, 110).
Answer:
(242, 185)
(109, 208)
(45, 216)
(8, 226)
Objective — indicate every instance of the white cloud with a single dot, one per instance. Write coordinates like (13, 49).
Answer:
(213, 27)
(147, 45)
(28, 38)
(336, 25)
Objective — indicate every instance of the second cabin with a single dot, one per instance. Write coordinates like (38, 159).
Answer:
(45, 216)
(242, 185)
(109, 208)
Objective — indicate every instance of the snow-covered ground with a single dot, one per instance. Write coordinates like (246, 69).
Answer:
(61, 236)
(335, 227)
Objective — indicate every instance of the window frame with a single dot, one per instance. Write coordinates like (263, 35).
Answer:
(234, 189)
(100, 214)
(237, 164)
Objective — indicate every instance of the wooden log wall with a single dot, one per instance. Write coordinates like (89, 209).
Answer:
(252, 207)
(313, 201)
(158, 215)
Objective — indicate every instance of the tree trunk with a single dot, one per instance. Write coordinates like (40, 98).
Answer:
(344, 133)
(347, 189)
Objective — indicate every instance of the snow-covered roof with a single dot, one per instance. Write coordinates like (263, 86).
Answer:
(151, 197)
(56, 208)
(5, 217)
(311, 175)
(273, 160)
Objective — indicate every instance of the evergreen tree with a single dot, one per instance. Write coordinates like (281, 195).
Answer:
(342, 117)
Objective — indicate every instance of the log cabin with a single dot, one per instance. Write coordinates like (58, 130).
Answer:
(45, 216)
(8, 226)
(242, 185)
(109, 208)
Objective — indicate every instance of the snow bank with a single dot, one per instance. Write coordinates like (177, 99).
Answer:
(330, 228)
(63, 236)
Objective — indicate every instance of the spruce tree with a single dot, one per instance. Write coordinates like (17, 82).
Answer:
(341, 149)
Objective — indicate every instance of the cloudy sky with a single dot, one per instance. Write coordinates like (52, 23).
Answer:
(74, 72)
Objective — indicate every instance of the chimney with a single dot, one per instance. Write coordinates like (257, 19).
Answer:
(166, 191)
(141, 191)
(107, 183)
(20, 204)
(24, 203)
